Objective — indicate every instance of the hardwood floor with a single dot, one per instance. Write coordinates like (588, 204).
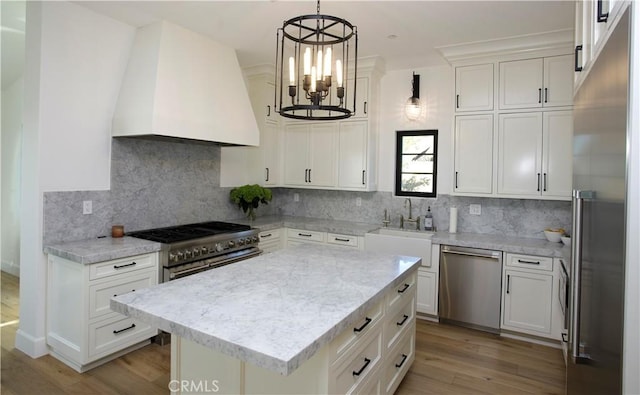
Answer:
(449, 360)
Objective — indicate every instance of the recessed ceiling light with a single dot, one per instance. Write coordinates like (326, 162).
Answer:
(392, 36)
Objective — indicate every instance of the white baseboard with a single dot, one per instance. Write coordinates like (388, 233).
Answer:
(10, 267)
(33, 347)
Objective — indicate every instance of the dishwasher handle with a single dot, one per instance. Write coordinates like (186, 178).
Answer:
(483, 254)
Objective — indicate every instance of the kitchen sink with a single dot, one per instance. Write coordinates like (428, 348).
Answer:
(417, 234)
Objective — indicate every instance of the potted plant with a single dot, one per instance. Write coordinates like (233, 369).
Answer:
(248, 197)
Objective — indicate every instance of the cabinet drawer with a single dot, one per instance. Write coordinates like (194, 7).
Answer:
(101, 294)
(530, 262)
(334, 238)
(124, 265)
(306, 235)
(351, 337)
(398, 362)
(403, 291)
(109, 336)
(397, 322)
(270, 235)
(348, 376)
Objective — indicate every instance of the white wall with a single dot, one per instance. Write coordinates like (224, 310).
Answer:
(75, 60)
(436, 96)
(11, 145)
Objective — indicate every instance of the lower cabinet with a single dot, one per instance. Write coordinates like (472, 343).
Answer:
(427, 292)
(529, 298)
(270, 240)
(300, 236)
(82, 330)
(371, 357)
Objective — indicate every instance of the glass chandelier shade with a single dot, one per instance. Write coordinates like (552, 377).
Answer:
(316, 67)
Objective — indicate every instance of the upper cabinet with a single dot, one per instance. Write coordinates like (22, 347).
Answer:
(310, 155)
(536, 83)
(593, 24)
(473, 154)
(474, 87)
(354, 162)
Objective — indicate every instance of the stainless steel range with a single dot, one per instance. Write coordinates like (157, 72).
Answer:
(193, 248)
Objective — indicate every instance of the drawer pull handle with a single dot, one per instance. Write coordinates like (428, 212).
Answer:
(404, 319)
(125, 329)
(367, 361)
(508, 283)
(341, 239)
(127, 265)
(404, 358)
(114, 295)
(528, 262)
(367, 322)
(406, 286)
(305, 234)
(565, 338)
(267, 235)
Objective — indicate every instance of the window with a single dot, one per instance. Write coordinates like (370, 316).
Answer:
(416, 163)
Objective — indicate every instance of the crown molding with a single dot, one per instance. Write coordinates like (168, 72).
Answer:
(553, 40)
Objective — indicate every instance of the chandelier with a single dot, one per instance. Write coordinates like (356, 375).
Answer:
(320, 52)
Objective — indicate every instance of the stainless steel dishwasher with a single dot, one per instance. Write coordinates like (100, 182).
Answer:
(470, 287)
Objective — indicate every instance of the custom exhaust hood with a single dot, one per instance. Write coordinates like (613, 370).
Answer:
(180, 84)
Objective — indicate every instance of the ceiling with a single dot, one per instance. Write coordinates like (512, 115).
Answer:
(405, 33)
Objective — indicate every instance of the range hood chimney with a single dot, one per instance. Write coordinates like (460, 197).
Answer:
(181, 84)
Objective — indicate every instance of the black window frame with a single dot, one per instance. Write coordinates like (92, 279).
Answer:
(398, 184)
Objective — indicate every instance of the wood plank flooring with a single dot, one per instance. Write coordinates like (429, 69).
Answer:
(449, 360)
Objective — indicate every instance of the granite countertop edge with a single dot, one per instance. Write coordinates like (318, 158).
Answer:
(91, 251)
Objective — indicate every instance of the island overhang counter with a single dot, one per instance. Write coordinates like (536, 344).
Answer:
(281, 317)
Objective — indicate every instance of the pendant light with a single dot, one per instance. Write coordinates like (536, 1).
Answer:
(413, 109)
(320, 54)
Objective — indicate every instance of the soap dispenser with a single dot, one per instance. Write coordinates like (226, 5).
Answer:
(428, 220)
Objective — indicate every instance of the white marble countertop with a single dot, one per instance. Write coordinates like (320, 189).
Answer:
(103, 249)
(276, 310)
(307, 223)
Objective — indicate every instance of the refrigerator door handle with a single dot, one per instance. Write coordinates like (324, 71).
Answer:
(576, 269)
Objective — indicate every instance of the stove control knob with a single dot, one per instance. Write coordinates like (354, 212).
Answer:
(255, 239)
(173, 257)
(179, 255)
(219, 247)
(240, 241)
(196, 251)
(204, 250)
(187, 254)
(232, 244)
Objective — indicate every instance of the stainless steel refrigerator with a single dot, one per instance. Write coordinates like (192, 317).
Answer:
(598, 252)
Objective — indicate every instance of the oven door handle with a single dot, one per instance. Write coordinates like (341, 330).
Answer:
(181, 273)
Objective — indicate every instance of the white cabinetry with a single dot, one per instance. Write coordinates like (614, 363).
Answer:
(299, 236)
(270, 240)
(529, 302)
(355, 157)
(310, 154)
(428, 284)
(536, 83)
(362, 96)
(474, 87)
(534, 154)
(82, 330)
(370, 357)
(473, 154)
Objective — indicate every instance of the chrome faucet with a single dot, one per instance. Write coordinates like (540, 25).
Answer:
(410, 219)
(387, 219)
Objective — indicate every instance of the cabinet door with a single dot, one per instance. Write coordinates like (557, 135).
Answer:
(270, 153)
(296, 147)
(520, 153)
(352, 155)
(427, 292)
(582, 38)
(362, 97)
(558, 81)
(474, 88)
(528, 301)
(473, 154)
(322, 154)
(521, 84)
(557, 140)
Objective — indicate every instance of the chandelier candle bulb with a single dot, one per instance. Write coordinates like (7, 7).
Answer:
(327, 63)
(307, 61)
(339, 73)
(292, 71)
(319, 64)
(313, 79)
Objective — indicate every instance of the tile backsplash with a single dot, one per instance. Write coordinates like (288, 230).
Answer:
(157, 183)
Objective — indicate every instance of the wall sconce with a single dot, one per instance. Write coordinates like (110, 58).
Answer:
(413, 109)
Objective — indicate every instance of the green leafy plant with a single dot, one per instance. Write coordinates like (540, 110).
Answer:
(248, 197)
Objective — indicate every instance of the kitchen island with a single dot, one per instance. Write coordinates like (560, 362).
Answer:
(310, 319)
